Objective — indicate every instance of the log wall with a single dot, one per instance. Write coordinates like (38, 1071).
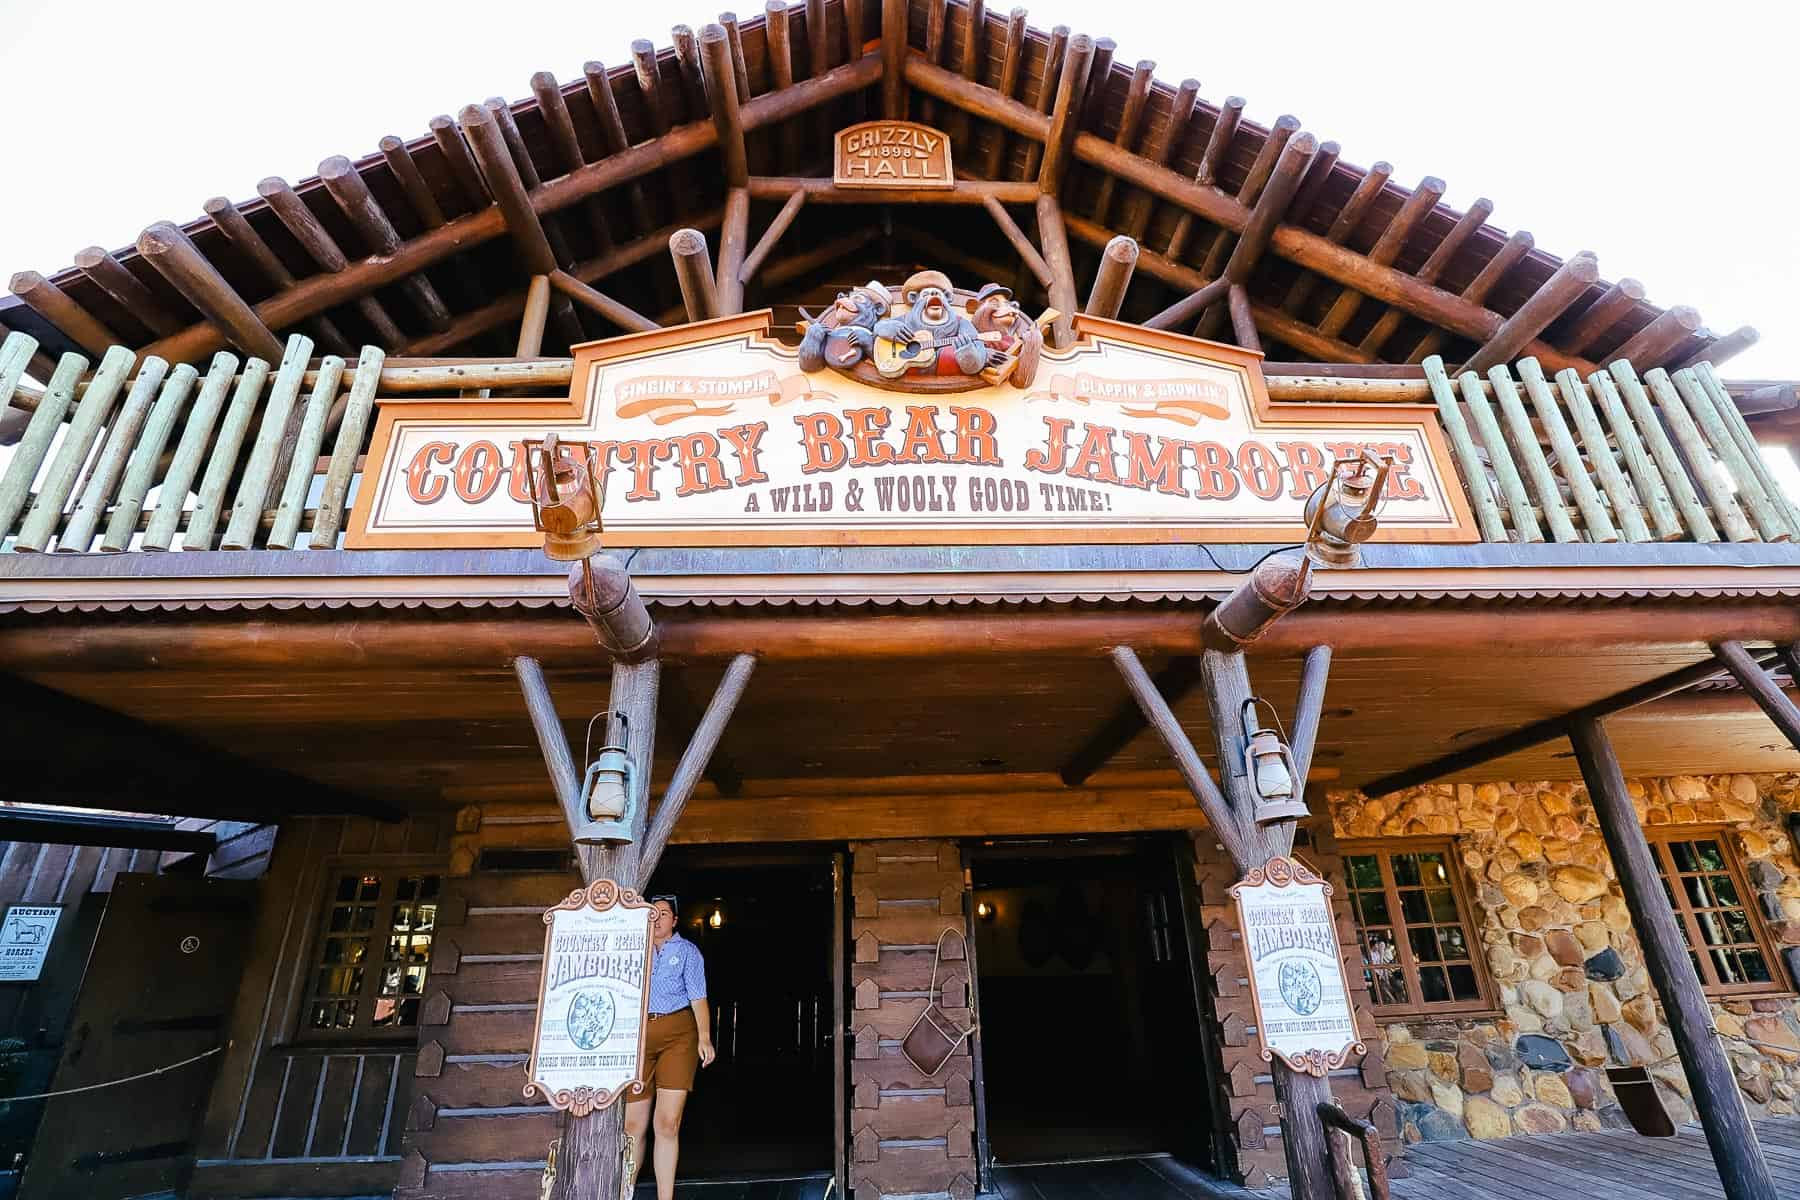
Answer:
(910, 1134)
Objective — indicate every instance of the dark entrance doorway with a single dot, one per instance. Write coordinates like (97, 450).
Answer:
(1091, 1039)
(769, 1106)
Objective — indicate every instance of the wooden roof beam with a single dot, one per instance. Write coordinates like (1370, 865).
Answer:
(1318, 174)
(111, 276)
(1218, 142)
(622, 315)
(1271, 206)
(560, 127)
(612, 135)
(1465, 228)
(824, 191)
(323, 249)
(722, 98)
(1243, 318)
(1012, 60)
(937, 15)
(1286, 126)
(1550, 301)
(1602, 315)
(894, 18)
(55, 306)
(1343, 226)
(1159, 142)
(771, 237)
(1516, 247)
(1131, 119)
(1071, 94)
(1649, 346)
(1387, 248)
(406, 173)
(167, 249)
(778, 37)
(1725, 348)
(527, 170)
(1043, 97)
(1034, 262)
(455, 151)
(237, 230)
(365, 215)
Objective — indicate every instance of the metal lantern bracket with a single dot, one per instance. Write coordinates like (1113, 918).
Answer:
(596, 829)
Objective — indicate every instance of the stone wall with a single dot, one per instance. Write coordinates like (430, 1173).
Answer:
(1573, 993)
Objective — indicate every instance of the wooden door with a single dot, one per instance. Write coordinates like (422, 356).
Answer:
(840, 1030)
(165, 968)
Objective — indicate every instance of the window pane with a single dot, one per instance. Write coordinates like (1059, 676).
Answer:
(1450, 940)
(1372, 908)
(1463, 985)
(1433, 986)
(1362, 871)
(1424, 944)
(1725, 963)
(370, 887)
(1753, 967)
(1406, 870)
(1694, 888)
(1683, 853)
(1712, 929)
(425, 916)
(1386, 987)
(1710, 856)
(1738, 926)
(1432, 871)
(346, 888)
(1379, 948)
(1443, 905)
(1413, 909)
(1725, 892)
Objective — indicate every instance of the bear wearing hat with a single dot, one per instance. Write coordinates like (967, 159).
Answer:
(932, 336)
(1011, 333)
(844, 334)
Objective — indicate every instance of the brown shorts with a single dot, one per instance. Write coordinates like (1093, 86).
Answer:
(671, 1052)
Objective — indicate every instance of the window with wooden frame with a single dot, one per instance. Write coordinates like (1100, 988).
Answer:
(367, 972)
(1412, 922)
(1725, 936)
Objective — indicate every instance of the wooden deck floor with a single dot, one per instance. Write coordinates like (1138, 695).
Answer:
(1615, 1165)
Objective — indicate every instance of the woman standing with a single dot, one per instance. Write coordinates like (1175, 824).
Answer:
(677, 1044)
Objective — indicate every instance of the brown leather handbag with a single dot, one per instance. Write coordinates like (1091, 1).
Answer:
(934, 1037)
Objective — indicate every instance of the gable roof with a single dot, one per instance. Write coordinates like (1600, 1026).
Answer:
(407, 247)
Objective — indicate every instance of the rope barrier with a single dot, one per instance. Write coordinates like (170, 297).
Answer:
(94, 1087)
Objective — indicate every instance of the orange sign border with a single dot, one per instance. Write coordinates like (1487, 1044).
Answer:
(759, 326)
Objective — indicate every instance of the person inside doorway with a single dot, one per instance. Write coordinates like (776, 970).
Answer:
(677, 1044)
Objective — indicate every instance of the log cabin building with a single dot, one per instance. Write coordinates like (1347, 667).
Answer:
(1545, 722)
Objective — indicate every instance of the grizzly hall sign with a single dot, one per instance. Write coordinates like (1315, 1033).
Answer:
(931, 416)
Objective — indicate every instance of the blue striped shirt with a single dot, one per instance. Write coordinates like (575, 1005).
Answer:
(677, 976)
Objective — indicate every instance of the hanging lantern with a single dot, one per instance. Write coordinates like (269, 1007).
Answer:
(1340, 514)
(1269, 764)
(608, 802)
(565, 500)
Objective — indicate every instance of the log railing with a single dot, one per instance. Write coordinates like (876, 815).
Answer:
(136, 455)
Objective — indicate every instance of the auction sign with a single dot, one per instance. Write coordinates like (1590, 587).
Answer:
(593, 999)
(25, 937)
(1297, 979)
(711, 434)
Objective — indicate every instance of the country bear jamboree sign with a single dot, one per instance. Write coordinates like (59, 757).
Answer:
(713, 434)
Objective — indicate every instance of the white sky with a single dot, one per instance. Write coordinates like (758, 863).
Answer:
(1650, 133)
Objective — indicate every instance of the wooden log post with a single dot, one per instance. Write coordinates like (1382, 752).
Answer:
(1028, 254)
(1065, 118)
(1243, 318)
(1720, 350)
(502, 175)
(594, 300)
(1563, 288)
(1117, 262)
(1516, 247)
(1714, 1087)
(1055, 237)
(778, 36)
(720, 80)
(176, 258)
(734, 239)
(894, 15)
(693, 270)
(1387, 248)
(771, 237)
(560, 126)
(1218, 142)
(531, 321)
